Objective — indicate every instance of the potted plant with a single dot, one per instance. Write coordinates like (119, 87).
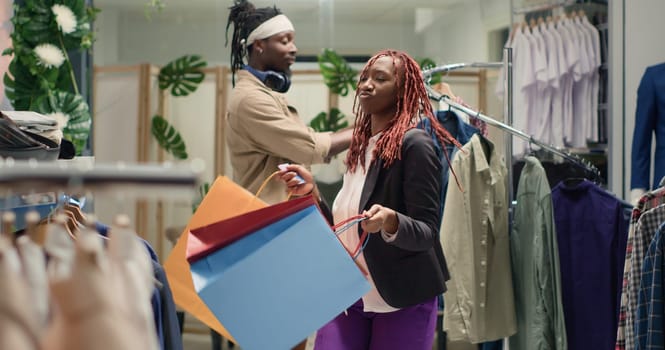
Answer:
(40, 76)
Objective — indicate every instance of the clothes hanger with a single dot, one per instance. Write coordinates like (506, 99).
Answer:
(76, 211)
(36, 232)
(516, 27)
(8, 221)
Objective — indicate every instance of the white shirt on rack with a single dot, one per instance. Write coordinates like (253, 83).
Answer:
(537, 116)
(581, 96)
(523, 83)
(594, 75)
(544, 131)
(559, 86)
(572, 61)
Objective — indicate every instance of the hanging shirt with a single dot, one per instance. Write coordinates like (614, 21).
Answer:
(523, 83)
(558, 86)
(645, 230)
(458, 129)
(33, 261)
(579, 94)
(594, 78)
(650, 313)
(535, 265)
(474, 235)
(538, 125)
(625, 329)
(572, 62)
(549, 86)
(591, 233)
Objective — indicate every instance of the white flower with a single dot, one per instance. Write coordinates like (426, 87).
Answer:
(65, 18)
(60, 118)
(49, 55)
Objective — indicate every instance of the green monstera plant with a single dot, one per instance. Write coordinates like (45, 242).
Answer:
(181, 77)
(340, 78)
(338, 75)
(40, 76)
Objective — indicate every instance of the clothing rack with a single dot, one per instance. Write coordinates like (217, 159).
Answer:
(515, 132)
(454, 66)
(542, 7)
(144, 181)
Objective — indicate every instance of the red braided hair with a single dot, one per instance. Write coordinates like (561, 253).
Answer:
(412, 105)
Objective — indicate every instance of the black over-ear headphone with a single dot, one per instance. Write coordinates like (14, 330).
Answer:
(276, 81)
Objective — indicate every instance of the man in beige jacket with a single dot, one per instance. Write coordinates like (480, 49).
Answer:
(263, 131)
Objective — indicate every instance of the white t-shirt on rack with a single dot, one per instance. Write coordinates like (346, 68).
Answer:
(594, 75)
(559, 86)
(524, 80)
(538, 117)
(573, 73)
(581, 100)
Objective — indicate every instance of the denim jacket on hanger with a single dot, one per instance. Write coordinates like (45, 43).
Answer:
(460, 130)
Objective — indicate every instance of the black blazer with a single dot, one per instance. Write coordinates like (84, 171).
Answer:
(411, 269)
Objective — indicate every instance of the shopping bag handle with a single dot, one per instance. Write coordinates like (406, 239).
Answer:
(265, 183)
(364, 237)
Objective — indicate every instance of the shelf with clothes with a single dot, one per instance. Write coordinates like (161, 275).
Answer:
(560, 72)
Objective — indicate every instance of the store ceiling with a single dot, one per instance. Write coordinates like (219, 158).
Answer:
(298, 10)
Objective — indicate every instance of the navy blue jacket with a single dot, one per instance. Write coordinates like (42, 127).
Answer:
(458, 129)
(649, 120)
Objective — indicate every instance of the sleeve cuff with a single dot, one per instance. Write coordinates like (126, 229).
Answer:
(388, 237)
(636, 194)
(322, 143)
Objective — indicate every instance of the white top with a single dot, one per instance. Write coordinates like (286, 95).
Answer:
(524, 80)
(572, 59)
(34, 270)
(559, 86)
(594, 37)
(346, 205)
(543, 129)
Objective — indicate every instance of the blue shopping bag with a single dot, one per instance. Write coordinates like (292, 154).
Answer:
(279, 283)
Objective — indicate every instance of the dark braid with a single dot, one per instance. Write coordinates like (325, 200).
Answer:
(412, 102)
(245, 18)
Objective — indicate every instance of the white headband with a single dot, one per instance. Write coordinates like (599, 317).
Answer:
(277, 24)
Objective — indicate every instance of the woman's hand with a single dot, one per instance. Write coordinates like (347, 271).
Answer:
(294, 185)
(379, 218)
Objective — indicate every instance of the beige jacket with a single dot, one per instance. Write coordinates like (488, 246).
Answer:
(262, 132)
(479, 303)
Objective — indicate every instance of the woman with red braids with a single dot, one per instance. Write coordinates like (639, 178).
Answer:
(393, 179)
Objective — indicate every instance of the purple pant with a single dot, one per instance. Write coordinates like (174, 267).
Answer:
(410, 328)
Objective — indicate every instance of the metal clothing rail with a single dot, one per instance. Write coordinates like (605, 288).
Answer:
(515, 132)
(542, 7)
(454, 66)
(129, 180)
